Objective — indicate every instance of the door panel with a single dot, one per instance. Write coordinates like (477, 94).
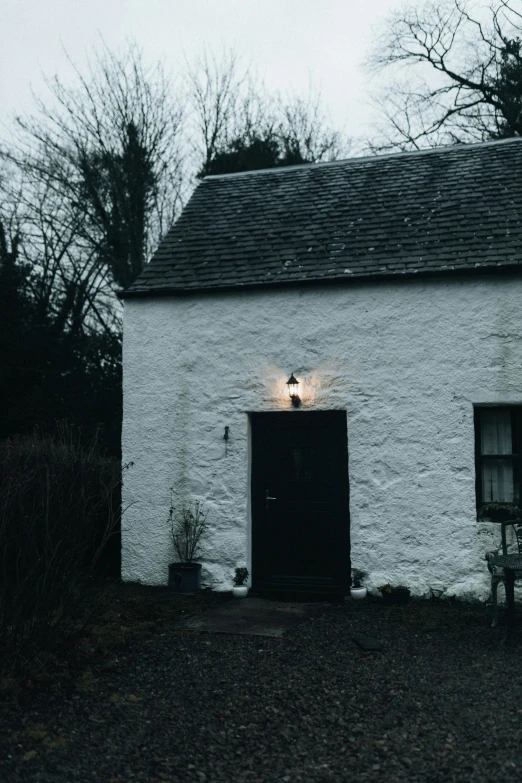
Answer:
(300, 508)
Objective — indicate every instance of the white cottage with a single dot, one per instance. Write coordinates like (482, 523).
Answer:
(391, 288)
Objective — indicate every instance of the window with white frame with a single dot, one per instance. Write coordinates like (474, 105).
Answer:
(498, 464)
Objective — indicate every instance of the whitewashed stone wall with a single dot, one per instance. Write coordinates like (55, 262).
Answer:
(405, 359)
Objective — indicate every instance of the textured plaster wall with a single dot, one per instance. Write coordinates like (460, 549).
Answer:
(406, 360)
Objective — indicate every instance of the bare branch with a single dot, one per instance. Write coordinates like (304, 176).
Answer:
(110, 146)
(466, 66)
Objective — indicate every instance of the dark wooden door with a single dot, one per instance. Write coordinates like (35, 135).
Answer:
(300, 509)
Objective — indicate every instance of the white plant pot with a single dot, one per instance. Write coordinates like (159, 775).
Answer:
(240, 591)
(358, 593)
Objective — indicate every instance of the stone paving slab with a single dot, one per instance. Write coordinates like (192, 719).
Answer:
(367, 642)
(253, 616)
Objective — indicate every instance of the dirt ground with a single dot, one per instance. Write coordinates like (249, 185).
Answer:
(137, 697)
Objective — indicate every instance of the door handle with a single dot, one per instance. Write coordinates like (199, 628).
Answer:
(267, 498)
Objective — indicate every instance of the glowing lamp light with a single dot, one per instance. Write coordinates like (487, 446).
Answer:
(293, 388)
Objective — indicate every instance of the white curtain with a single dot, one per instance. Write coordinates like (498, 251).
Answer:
(495, 438)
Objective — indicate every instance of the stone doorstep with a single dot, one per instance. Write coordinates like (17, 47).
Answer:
(252, 616)
(263, 617)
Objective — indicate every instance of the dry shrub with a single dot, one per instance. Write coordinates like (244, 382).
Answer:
(59, 507)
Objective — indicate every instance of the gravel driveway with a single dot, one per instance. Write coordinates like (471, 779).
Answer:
(441, 702)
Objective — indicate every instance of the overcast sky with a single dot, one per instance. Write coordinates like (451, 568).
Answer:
(289, 42)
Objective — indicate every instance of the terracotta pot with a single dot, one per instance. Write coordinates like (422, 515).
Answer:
(358, 593)
(240, 591)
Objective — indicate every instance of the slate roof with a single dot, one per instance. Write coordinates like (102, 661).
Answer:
(440, 210)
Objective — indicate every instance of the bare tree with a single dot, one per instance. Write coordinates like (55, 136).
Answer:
(464, 80)
(305, 129)
(109, 149)
(219, 92)
(238, 124)
(57, 268)
(89, 184)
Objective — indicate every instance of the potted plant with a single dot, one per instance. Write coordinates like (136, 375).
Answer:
(357, 590)
(240, 590)
(395, 595)
(500, 512)
(187, 527)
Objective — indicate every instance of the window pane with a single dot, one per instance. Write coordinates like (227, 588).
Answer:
(497, 481)
(495, 431)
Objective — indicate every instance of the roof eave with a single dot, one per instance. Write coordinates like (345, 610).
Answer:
(496, 268)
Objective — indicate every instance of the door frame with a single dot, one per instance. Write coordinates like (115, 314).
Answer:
(295, 418)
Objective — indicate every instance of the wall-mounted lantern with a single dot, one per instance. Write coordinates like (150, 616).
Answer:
(293, 388)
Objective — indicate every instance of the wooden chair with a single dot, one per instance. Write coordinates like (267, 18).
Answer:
(497, 573)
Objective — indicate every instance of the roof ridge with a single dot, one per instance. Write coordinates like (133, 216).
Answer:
(358, 159)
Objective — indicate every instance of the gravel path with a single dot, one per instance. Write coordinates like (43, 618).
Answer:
(310, 706)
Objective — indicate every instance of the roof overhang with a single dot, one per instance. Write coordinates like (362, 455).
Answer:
(494, 270)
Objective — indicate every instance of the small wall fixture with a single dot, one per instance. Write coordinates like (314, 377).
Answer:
(293, 386)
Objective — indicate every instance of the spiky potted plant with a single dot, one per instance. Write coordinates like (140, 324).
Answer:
(358, 590)
(187, 526)
(240, 589)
